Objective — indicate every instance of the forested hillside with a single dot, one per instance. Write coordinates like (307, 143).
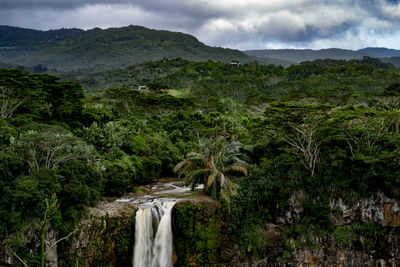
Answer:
(300, 55)
(99, 50)
(252, 83)
(256, 135)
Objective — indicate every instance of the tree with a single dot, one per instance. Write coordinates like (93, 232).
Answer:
(304, 140)
(158, 87)
(62, 100)
(49, 146)
(6, 132)
(362, 134)
(16, 88)
(213, 166)
(125, 95)
(112, 135)
(298, 126)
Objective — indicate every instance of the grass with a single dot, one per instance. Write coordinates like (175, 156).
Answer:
(179, 93)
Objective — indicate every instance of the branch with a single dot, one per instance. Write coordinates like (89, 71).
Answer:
(11, 111)
(15, 254)
(59, 240)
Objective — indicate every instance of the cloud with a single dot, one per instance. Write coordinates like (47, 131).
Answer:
(244, 24)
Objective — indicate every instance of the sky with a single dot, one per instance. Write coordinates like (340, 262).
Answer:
(240, 24)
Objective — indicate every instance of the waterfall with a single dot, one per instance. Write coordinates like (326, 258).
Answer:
(150, 250)
(143, 237)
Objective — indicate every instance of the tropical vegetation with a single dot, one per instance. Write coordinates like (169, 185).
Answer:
(254, 135)
(212, 166)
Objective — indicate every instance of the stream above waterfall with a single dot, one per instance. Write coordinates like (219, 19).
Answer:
(165, 189)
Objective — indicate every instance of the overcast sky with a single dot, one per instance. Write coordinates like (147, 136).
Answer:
(242, 24)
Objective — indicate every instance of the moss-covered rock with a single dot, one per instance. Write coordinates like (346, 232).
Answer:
(197, 233)
(106, 237)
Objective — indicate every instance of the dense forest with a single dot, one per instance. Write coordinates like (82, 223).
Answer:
(252, 134)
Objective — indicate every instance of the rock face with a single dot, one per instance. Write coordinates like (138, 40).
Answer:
(51, 257)
(328, 253)
(294, 209)
(31, 242)
(378, 210)
(106, 236)
(6, 257)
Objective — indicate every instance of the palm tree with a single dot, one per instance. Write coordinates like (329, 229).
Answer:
(213, 167)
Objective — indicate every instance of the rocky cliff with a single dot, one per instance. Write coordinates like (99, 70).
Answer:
(365, 233)
(106, 237)
(29, 242)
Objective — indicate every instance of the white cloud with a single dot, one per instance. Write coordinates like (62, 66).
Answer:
(391, 11)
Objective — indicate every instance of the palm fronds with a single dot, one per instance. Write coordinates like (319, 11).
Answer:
(236, 168)
(212, 166)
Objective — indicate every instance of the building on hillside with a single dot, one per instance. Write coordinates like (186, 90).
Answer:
(234, 63)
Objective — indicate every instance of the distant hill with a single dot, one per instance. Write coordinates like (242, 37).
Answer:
(100, 50)
(300, 55)
(380, 52)
(394, 60)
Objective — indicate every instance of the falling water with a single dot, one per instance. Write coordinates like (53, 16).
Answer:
(143, 237)
(157, 251)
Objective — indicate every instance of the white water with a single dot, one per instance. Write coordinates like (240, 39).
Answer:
(157, 251)
(143, 237)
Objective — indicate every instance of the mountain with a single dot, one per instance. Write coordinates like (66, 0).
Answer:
(299, 55)
(113, 48)
(380, 52)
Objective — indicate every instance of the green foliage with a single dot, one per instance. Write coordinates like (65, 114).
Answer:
(392, 90)
(335, 82)
(317, 215)
(120, 174)
(320, 129)
(213, 167)
(98, 114)
(16, 89)
(82, 186)
(7, 131)
(78, 50)
(369, 235)
(50, 146)
(344, 235)
(117, 243)
(196, 234)
(32, 190)
(135, 101)
(253, 242)
(357, 148)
